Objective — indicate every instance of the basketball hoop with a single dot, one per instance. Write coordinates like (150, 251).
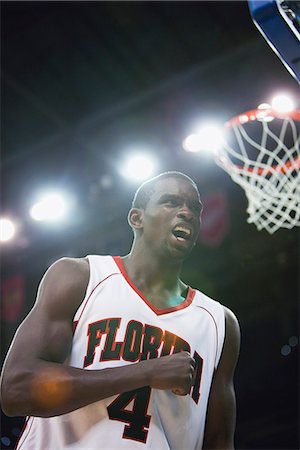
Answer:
(261, 154)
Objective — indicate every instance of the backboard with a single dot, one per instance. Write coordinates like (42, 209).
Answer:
(279, 23)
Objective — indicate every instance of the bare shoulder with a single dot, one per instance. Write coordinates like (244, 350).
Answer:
(64, 284)
(231, 320)
(69, 268)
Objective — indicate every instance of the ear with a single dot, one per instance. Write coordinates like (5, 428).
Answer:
(135, 218)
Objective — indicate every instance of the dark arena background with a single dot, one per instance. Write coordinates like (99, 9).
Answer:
(86, 84)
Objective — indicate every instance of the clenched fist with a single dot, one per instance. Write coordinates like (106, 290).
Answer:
(174, 372)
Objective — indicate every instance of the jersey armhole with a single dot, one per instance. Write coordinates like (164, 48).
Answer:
(220, 336)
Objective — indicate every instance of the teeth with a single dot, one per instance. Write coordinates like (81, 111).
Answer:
(184, 230)
(182, 233)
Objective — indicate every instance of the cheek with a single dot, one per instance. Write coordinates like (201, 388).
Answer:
(157, 224)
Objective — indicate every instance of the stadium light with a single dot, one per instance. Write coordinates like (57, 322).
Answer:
(138, 167)
(208, 137)
(191, 143)
(7, 229)
(51, 207)
(283, 103)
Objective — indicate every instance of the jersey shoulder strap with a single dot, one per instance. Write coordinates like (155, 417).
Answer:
(101, 267)
(217, 314)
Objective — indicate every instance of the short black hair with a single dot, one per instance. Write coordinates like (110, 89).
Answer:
(147, 189)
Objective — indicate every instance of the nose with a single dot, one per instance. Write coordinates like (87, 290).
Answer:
(185, 213)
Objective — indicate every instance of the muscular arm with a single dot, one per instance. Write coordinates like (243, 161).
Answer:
(221, 414)
(36, 380)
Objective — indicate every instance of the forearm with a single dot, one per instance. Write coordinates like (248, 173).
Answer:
(218, 443)
(220, 425)
(54, 389)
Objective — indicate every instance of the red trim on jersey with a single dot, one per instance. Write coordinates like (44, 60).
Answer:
(189, 298)
(217, 334)
(25, 426)
(75, 323)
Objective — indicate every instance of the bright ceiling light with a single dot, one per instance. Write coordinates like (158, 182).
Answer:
(7, 230)
(283, 103)
(191, 143)
(51, 207)
(211, 137)
(208, 137)
(138, 167)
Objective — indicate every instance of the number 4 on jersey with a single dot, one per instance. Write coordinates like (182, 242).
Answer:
(136, 418)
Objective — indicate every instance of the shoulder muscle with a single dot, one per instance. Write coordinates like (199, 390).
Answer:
(63, 286)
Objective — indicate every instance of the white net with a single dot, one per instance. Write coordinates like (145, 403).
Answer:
(261, 154)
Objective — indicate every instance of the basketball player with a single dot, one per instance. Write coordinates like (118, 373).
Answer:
(118, 352)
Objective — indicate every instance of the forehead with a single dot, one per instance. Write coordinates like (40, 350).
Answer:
(175, 186)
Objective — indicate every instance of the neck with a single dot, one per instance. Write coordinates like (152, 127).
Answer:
(153, 274)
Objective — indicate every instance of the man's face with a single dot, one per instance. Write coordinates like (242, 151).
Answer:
(172, 217)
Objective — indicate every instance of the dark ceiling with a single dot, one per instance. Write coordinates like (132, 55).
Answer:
(69, 65)
(64, 62)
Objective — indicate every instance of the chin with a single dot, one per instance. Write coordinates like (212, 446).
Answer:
(180, 254)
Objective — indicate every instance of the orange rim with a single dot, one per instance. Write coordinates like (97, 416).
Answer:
(289, 166)
(259, 114)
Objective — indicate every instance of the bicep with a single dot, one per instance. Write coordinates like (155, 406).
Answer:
(46, 333)
(41, 337)
(39, 345)
(34, 363)
(221, 414)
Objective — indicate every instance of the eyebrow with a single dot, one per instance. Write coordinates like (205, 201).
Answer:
(165, 197)
(168, 195)
(195, 203)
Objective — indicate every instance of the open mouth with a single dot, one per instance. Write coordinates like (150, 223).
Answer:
(182, 233)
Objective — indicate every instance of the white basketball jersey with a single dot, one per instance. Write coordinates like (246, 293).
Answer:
(116, 325)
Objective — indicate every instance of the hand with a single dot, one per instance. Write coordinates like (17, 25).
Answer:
(175, 372)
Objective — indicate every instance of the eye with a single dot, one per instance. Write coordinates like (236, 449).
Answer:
(172, 202)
